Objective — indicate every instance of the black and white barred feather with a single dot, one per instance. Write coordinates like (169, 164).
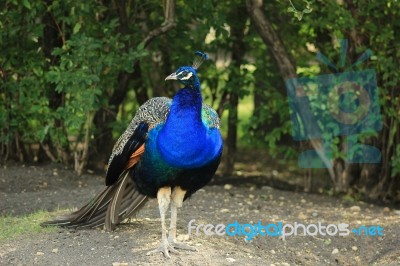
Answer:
(152, 112)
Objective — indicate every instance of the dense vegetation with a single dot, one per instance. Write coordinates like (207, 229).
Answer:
(72, 74)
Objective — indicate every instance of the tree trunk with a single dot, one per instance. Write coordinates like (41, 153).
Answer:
(238, 51)
(52, 38)
(103, 118)
(285, 64)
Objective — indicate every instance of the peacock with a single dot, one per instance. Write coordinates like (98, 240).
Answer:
(171, 149)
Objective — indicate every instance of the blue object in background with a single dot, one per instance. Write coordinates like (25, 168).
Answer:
(331, 105)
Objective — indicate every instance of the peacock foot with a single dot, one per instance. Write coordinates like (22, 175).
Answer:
(180, 245)
(164, 248)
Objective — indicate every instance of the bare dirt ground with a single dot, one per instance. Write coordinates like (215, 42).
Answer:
(25, 189)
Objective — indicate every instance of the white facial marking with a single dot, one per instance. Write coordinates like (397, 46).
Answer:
(188, 75)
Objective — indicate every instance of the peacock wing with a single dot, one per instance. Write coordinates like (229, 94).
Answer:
(127, 150)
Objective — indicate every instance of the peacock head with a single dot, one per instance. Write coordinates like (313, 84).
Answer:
(187, 75)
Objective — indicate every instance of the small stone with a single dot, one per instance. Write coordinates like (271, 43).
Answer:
(227, 186)
(386, 209)
(285, 264)
(314, 214)
(335, 251)
(115, 237)
(266, 188)
(397, 212)
(302, 216)
(119, 264)
(303, 201)
(354, 248)
(55, 250)
(272, 251)
(230, 259)
(224, 210)
(355, 209)
(39, 253)
(251, 196)
(182, 238)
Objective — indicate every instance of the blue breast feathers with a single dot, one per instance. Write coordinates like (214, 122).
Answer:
(190, 148)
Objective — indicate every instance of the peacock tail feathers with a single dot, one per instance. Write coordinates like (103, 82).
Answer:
(114, 204)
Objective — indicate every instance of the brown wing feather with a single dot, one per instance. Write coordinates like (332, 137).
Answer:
(135, 157)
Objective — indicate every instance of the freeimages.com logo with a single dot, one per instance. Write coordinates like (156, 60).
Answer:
(340, 104)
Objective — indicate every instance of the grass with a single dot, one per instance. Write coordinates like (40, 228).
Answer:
(13, 226)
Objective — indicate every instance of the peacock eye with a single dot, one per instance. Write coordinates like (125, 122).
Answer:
(184, 73)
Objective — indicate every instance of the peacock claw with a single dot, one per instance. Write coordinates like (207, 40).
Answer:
(164, 248)
(180, 245)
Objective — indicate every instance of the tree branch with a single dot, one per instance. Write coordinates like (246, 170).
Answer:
(169, 23)
(271, 38)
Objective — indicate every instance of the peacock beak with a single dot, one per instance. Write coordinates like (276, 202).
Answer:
(172, 77)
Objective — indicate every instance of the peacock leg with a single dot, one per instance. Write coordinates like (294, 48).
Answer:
(176, 202)
(164, 198)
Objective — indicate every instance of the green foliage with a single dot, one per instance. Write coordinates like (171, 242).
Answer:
(89, 63)
(23, 103)
(396, 161)
(335, 21)
(87, 70)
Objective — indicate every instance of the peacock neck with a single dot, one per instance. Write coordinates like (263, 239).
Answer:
(182, 140)
(186, 108)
